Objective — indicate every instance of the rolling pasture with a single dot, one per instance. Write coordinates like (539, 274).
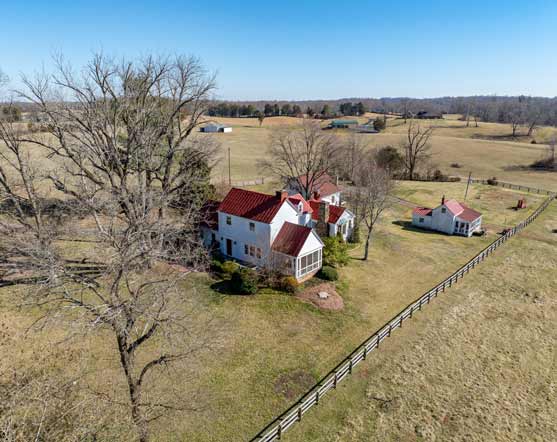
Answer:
(264, 351)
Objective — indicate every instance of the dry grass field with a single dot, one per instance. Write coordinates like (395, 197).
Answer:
(478, 364)
(271, 347)
(485, 151)
(268, 349)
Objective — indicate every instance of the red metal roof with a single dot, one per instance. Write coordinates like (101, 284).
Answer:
(335, 212)
(251, 205)
(422, 211)
(295, 199)
(454, 207)
(468, 214)
(324, 184)
(291, 238)
(462, 211)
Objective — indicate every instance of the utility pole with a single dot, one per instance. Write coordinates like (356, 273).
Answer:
(229, 170)
(467, 185)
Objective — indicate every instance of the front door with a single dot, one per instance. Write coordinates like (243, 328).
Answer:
(228, 247)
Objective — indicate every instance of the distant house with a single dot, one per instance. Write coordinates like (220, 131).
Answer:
(343, 124)
(324, 188)
(216, 128)
(450, 217)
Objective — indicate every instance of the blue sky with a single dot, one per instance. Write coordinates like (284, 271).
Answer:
(305, 49)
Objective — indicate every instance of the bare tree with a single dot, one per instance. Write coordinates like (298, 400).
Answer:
(551, 152)
(416, 148)
(351, 152)
(533, 116)
(304, 155)
(370, 195)
(261, 118)
(121, 136)
(3, 78)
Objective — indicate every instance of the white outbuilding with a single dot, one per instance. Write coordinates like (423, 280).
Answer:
(450, 217)
(213, 128)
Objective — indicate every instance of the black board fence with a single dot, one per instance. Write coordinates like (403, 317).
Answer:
(495, 182)
(294, 414)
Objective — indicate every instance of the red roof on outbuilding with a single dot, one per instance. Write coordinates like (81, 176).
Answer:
(462, 211)
(252, 205)
(468, 214)
(422, 211)
(454, 206)
(291, 238)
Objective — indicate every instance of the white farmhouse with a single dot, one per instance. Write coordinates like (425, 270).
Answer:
(264, 231)
(213, 127)
(323, 188)
(451, 217)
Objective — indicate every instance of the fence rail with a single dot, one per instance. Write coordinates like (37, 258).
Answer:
(294, 414)
(510, 186)
(246, 183)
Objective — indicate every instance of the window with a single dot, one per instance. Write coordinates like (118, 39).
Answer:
(456, 224)
(258, 253)
(213, 238)
(443, 210)
(246, 249)
(344, 229)
(421, 220)
(309, 262)
(252, 227)
(333, 199)
(251, 250)
(229, 220)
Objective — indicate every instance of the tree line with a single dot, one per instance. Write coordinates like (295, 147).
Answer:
(237, 110)
(517, 111)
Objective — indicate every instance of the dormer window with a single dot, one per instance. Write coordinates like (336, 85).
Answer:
(252, 227)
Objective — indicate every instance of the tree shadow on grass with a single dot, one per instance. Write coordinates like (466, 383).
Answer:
(407, 225)
(224, 287)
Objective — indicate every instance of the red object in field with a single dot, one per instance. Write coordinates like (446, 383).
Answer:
(521, 203)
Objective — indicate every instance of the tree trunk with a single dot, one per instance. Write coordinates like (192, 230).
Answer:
(368, 243)
(134, 390)
(411, 172)
(531, 129)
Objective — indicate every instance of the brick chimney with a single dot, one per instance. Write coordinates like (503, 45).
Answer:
(281, 195)
(316, 195)
(322, 225)
(443, 200)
